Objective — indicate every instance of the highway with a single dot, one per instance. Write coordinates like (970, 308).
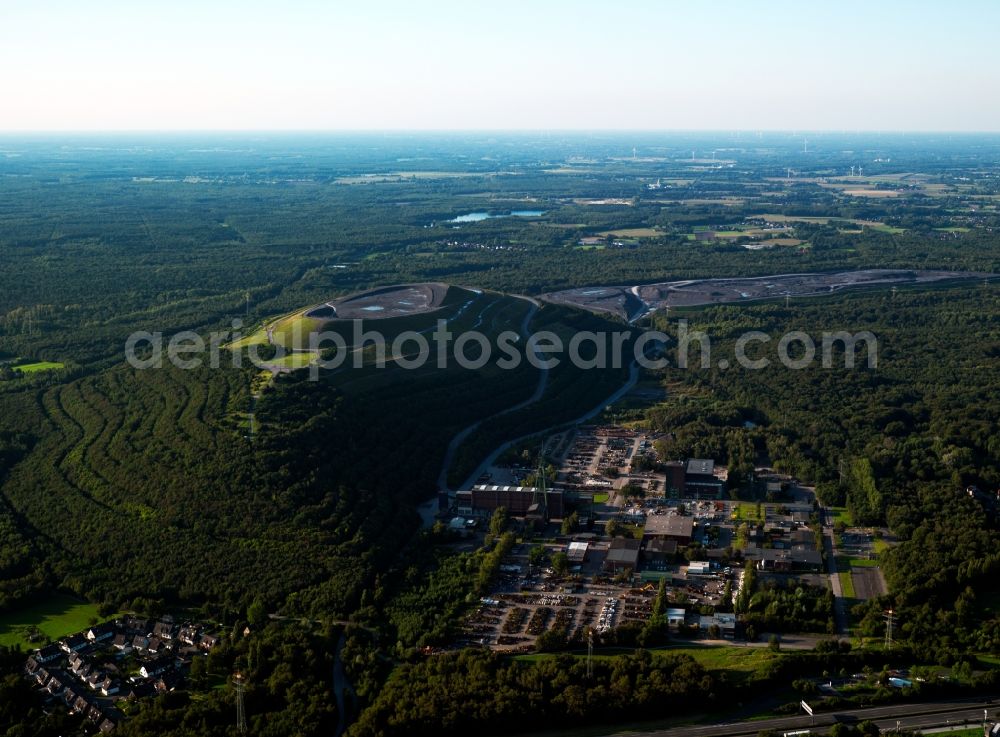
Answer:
(908, 716)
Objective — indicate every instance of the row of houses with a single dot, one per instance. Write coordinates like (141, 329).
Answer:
(82, 670)
(64, 688)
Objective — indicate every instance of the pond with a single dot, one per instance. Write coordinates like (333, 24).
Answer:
(475, 217)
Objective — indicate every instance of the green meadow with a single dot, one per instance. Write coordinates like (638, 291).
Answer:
(55, 617)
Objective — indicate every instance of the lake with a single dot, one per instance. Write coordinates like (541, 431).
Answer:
(475, 217)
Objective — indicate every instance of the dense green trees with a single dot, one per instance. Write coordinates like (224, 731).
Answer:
(476, 690)
(794, 609)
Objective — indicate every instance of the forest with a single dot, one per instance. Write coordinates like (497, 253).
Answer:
(142, 490)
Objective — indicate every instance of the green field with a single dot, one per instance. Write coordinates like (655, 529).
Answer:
(847, 584)
(887, 228)
(56, 617)
(30, 368)
(840, 514)
(257, 338)
(747, 512)
(728, 658)
(633, 233)
(295, 360)
(294, 331)
(863, 563)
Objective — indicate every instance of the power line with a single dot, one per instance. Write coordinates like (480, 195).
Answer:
(241, 715)
(889, 621)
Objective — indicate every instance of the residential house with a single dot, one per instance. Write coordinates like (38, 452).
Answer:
(140, 691)
(157, 666)
(137, 625)
(169, 681)
(101, 632)
(164, 630)
(49, 653)
(56, 685)
(74, 643)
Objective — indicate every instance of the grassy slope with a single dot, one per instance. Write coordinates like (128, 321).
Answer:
(57, 616)
(30, 368)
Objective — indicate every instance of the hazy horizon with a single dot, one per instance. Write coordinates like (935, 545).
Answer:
(112, 66)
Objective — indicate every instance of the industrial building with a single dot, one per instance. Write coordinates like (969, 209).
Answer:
(700, 480)
(658, 552)
(519, 501)
(692, 478)
(785, 561)
(675, 471)
(622, 555)
(670, 527)
(577, 552)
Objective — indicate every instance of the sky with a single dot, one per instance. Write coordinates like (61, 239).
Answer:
(97, 65)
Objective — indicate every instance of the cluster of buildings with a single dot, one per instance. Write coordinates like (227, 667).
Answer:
(129, 658)
(639, 520)
(695, 478)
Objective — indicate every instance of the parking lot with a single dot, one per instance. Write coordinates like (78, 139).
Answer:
(601, 459)
(527, 601)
